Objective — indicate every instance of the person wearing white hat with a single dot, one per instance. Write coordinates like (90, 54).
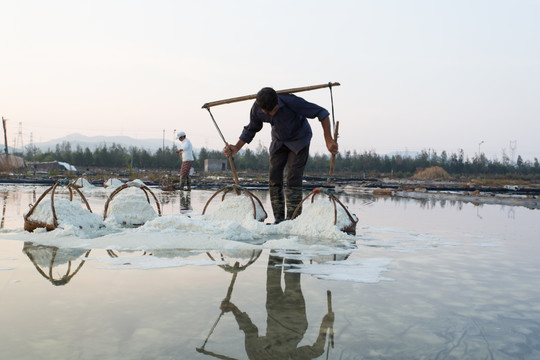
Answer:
(187, 160)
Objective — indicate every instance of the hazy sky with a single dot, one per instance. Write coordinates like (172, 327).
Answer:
(442, 75)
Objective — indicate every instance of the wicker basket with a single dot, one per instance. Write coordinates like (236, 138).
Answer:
(30, 224)
(166, 184)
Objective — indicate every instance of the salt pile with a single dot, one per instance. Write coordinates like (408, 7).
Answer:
(236, 208)
(131, 222)
(322, 209)
(129, 207)
(317, 219)
(231, 219)
(83, 183)
(136, 183)
(68, 213)
(113, 183)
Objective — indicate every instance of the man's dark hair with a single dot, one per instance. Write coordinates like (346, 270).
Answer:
(267, 99)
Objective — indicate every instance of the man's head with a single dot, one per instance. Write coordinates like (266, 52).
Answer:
(181, 135)
(267, 99)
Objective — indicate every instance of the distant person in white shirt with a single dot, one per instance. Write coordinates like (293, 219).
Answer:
(187, 160)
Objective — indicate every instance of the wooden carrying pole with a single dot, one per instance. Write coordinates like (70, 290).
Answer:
(333, 157)
(231, 161)
(336, 129)
(253, 96)
(227, 299)
(208, 105)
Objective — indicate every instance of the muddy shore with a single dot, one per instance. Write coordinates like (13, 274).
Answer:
(339, 183)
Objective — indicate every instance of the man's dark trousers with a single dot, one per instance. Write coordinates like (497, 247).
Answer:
(296, 164)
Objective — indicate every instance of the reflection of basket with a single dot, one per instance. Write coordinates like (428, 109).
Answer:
(166, 184)
(30, 224)
(43, 256)
(237, 267)
(144, 188)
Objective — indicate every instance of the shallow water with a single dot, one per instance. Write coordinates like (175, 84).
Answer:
(420, 280)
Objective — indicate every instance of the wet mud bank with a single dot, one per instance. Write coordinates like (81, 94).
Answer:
(473, 192)
(504, 194)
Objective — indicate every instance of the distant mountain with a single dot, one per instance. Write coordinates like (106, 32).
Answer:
(93, 142)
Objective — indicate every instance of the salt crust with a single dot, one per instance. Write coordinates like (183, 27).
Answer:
(231, 219)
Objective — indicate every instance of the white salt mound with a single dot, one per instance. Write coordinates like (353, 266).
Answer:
(234, 207)
(67, 213)
(136, 183)
(130, 207)
(81, 182)
(113, 183)
(318, 217)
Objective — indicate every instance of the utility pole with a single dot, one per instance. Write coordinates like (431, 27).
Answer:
(32, 145)
(5, 135)
(481, 142)
(513, 146)
(20, 139)
(33, 153)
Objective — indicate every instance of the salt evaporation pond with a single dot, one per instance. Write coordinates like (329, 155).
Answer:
(423, 279)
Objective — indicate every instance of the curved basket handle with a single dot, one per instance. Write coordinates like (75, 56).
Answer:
(82, 196)
(31, 211)
(145, 189)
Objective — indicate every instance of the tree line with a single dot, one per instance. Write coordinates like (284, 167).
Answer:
(367, 163)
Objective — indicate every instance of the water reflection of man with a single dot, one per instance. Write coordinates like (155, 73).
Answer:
(185, 201)
(286, 319)
(4, 210)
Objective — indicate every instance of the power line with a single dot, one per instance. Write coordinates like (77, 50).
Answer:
(19, 143)
(513, 146)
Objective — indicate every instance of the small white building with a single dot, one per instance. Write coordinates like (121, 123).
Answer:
(67, 166)
(51, 166)
(215, 165)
